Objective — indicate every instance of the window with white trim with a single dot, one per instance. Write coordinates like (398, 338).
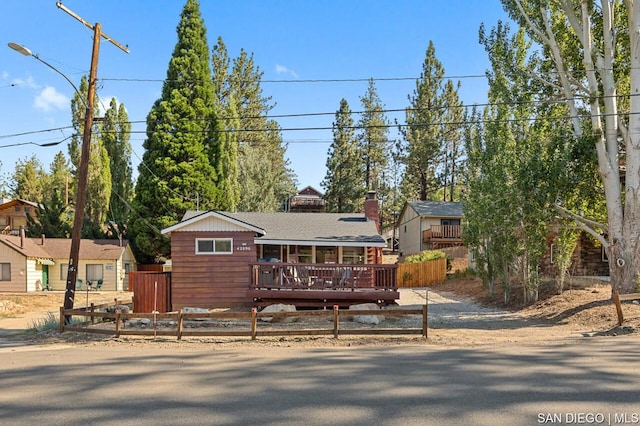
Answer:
(214, 245)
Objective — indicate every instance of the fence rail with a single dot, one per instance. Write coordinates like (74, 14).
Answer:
(251, 330)
(422, 274)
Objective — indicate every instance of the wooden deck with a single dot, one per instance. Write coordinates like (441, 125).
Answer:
(438, 236)
(321, 285)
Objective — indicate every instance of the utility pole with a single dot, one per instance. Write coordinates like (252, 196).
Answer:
(76, 233)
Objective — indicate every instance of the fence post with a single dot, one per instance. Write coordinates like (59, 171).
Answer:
(336, 321)
(425, 311)
(62, 319)
(180, 324)
(92, 309)
(254, 323)
(117, 324)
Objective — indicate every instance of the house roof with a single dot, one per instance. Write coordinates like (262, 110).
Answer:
(60, 248)
(10, 203)
(437, 208)
(345, 229)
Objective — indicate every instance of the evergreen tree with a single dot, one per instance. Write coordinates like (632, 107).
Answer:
(29, 180)
(115, 134)
(431, 105)
(263, 169)
(98, 190)
(176, 173)
(343, 183)
(373, 138)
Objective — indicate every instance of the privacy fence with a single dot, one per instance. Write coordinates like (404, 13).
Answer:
(422, 274)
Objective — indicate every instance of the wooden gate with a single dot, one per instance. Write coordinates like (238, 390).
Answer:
(151, 291)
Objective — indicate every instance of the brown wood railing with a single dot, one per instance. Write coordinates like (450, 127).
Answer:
(442, 231)
(330, 276)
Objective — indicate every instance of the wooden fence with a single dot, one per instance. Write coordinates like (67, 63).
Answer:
(173, 324)
(422, 274)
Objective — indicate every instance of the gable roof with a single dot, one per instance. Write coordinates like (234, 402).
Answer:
(60, 248)
(17, 201)
(437, 208)
(328, 229)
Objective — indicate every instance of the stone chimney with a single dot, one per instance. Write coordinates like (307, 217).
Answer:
(371, 210)
(22, 236)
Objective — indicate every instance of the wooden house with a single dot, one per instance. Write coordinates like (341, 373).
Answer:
(33, 264)
(13, 215)
(429, 225)
(222, 259)
(307, 200)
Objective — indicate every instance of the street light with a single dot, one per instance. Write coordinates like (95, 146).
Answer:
(27, 52)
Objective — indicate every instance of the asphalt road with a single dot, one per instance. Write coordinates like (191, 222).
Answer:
(561, 383)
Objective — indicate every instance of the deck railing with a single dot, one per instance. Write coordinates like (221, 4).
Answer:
(442, 232)
(270, 275)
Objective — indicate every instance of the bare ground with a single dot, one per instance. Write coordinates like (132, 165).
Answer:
(460, 314)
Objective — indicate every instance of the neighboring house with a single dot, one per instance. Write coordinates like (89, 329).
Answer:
(213, 254)
(30, 264)
(13, 215)
(588, 259)
(429, 225)
(307, 200)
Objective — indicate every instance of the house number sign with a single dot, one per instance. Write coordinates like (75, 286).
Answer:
(243, 248)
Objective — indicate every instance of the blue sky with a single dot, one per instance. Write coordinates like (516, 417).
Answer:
(293, 41)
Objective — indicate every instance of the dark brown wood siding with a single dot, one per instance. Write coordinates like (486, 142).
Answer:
(211, 280)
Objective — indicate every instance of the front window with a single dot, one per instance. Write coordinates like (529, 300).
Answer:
(5, 272)
(94, 272)
(214, 246)
(64, 270)
(300, 254)
(353, 255)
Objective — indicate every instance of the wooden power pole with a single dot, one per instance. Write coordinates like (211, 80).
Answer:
(76, 233)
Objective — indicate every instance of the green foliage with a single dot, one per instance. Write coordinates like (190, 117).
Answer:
(176, 173)
(432, 147)
(425, 256)
(51, 219)
(373, 138)
(262, 167)
(343, 183)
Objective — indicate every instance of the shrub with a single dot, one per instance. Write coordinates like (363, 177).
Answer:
(425, 256)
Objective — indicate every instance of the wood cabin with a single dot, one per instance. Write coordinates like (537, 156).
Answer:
(34, 264)
(429, 225)
(307, 200)
(222, 259)
(13, 215)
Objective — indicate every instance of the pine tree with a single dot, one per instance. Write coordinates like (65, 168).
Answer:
(260, 141)
(176, 173)
(343, 183)
(373, 138)
(425, 132)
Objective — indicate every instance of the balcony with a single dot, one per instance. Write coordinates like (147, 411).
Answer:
(439, 236)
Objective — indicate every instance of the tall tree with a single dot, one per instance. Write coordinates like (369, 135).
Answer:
(29, 180)
(115, 134)
(98, 191)
(373, 137)
(262, 165)
(343, 183)
(595, 55)
(432, 131)
(176, 172)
